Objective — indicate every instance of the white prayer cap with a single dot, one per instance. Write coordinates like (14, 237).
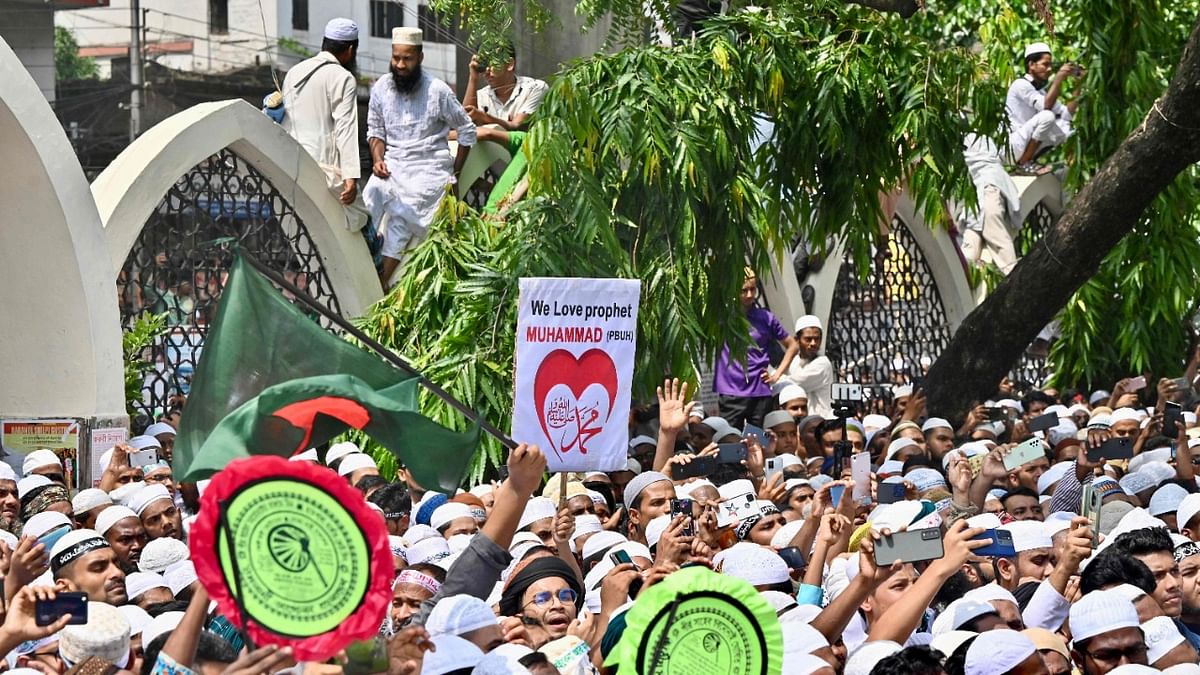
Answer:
(106, 635)
(990, 592)
(125, 493)
(451, 653)
(159, 428)
(1058, 521)
(891, 469)
(1188, 508)
(339, 450)
(639, 483)
(721, 428)
(935, 423)
(947, 643)
(1161, 637)
(1100, 612)
(7, 473)
(163, 623)
(39, 458)
(1052, 475)
(923, 478)
(144, 442)
(1137, 482)
(448, 512)
(459, 614)
(142, 499)
(179, 576)
(777, 417)
(1160, 472)
(902, 390)
(136, 616)
(875, 422)
(801, 638)
(791, 393)
(898, 445)
(420, 532)
(110, 516)
(808, 321)
(1100, 420)
(72, 539)
(803, 664)
(354, 462)
(696, 412)
(632, 466)
(1028, 535)
(601, 541)
(428, 550)
(309, 455)
(787, 459)
(1134, 669)
(406, 36)
(1155, 455)
(1011, 403)
(586, 523)
(995, 428)
(344, 30)
(1177, 669)
(537, 509)
(1036, 48)
(30, 483)
(1128, 591)
(1001, 652)
(43, 522)
(862, 660)
(161, 553)
(960, 612)
(86, 500)
(1124, 415)
(502, 661)
(1167, 499)
(894, 516)
(137, 583)
(784, 535)
(481, 490)
(641, 440)
(754, 564)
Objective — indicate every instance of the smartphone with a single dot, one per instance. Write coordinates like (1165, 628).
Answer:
(1113, 448)
(1172, 415)
(757, 432)
(1182, 384)
(1090, 507)
(366, 656)
(910, 546)
(976, 462)
(771, 466)
(1001, 547)
(700, 466)
(890, 493)
(731, 453)
(842, 450)
(997, 414)
(1136, 384)
(51, 538)
(46, 612)
(860, 473)
(620, 558)
(1024, 453)
(143, 459)
(683, 507)
(1043, 422)
(835, 494)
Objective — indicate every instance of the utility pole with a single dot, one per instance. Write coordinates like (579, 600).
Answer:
(135, 69)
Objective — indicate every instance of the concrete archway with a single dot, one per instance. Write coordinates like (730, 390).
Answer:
(59, 296)
(131, 187)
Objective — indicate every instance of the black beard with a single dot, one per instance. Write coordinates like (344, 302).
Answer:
(352, 65)
(406, 85)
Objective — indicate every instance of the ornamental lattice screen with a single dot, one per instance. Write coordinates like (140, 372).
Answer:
(1031, 371)
(181, 260)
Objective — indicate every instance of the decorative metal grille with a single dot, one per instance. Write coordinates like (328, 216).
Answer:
(887, 329)
(181, 261)
(1031, 371)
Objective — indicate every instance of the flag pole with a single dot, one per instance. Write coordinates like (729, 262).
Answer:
(388, 355)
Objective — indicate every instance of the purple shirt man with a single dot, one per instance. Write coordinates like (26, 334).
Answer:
(731, 378)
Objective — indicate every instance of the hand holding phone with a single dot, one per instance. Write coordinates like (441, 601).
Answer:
(732, 453)
(1114, 448)
(890, 493)
(698, 467)
(1172, 415)
(909, 546)
(1024, 453)
(46, 612)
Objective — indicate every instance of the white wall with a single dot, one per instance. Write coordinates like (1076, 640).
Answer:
(28, 28)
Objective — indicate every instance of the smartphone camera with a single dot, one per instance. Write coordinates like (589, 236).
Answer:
(683, 507)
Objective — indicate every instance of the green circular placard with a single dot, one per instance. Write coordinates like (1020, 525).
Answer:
(302, 563)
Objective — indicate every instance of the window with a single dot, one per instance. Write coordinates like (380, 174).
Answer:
(431, 25)
(299, 14)
(218, 16)
(385, 15)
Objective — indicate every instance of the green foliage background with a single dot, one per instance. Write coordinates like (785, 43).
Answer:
(68, 64)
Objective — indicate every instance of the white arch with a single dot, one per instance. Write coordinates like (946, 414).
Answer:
(944, 263)
(132, 186)
(1045, 189)
(60, 347)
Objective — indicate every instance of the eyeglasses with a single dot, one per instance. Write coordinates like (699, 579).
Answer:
(1132, 653)
(566, 596)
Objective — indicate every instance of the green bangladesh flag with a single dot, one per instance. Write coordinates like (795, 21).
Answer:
(272, 381)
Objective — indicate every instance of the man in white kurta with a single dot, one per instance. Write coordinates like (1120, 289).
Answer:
(408, 121)
(811, 369)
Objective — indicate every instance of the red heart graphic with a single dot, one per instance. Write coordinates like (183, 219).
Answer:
(572, 417)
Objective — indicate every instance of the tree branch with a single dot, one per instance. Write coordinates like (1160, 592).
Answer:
(905, 8)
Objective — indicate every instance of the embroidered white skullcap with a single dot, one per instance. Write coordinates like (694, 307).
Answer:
(161, 553)
(427, 550)
(1188, 508)
(1128, 591)
(641, 440)
(600, 541)
(1002, 651)
(1167, 499)
(142, 499)
(39, 458)
(923, 478)
(1100, 612)
(137, 618)
(340, 450)
(897, 445)
(947, 643)
(341, 29)
(1028, 535)
(754, 564)
(587, 523)
(902, 390)
(77, 543)
(874, 422)
(163, 623)
(30, 483)
(1160, 472)
(990, 592)
(1052, 475)
(86, 500)
(784, 535)
(43, 522)
(446, 513)
(536, 509)
(419, 532)
(1137, 482)
(111, 515)
(935, 423)
(808, 321)
(1155, 455)
(179, 576)
(1124, 415)
(862, 660)
(355, 461)
(7, 473)
(144, 443)
(1161, 637)
(958, 613)
(137, 583)
(407, 36)
(459, 614)
(309, 455)
(123, 494)
(639, 483)
(791, 393)
(106, 635)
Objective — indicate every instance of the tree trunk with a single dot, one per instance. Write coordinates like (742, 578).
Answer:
(993, 336)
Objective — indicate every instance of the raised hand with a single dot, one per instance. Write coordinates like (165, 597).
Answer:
(526, 464)
(673, 406)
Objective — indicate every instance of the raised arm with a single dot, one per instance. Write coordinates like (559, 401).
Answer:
(673, 411)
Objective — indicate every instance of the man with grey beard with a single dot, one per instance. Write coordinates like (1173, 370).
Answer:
(408, 122)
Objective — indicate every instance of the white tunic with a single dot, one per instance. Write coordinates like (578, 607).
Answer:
(415, 127)
(816, 377)
(526, 96)
(323, 116)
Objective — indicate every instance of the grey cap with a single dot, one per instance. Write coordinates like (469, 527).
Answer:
(640, 482)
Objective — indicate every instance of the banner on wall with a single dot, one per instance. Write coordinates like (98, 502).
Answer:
(576, 340)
